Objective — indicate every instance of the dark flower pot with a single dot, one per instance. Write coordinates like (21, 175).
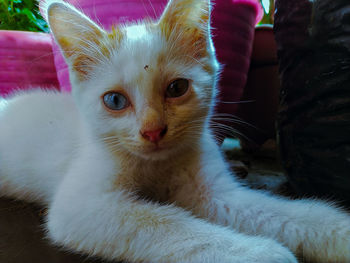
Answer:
(259, 101)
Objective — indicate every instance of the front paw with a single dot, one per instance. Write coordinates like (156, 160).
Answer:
(263, 250)
(334, 248)
(245, 249)
(327, 239)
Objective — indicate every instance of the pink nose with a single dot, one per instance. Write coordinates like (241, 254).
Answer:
(155, 135)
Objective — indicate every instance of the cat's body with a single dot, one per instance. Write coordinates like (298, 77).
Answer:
(128, 166)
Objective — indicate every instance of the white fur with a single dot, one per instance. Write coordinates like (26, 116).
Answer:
(179, 205)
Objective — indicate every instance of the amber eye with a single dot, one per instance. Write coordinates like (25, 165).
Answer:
(115, 101)
(177, 88)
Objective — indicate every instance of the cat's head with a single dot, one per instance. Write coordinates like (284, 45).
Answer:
(147, 88)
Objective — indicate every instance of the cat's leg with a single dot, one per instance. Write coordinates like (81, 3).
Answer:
(115, 226)
(313, 229)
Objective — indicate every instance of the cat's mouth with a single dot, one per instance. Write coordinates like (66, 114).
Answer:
(154, 151)
(155, 148)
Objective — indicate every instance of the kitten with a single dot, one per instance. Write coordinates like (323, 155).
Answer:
(128, 166)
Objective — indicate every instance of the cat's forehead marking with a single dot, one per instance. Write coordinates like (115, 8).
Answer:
(136, 31)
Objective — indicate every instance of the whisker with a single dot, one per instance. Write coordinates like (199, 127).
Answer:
(235, 102)
(228, 130)
(237, 121)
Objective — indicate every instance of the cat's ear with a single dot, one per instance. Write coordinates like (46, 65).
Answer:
(78, 37)
(187, 21)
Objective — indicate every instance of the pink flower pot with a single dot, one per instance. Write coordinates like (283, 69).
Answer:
(26, 61)
(234, 26)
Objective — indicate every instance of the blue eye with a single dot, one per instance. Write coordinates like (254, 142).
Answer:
(115, 101)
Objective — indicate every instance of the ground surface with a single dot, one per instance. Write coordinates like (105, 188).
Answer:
(21, 232)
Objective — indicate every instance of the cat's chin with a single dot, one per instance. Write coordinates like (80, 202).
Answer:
(154, 153)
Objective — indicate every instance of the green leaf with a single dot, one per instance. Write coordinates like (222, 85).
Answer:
(21, 15)
(31, 17)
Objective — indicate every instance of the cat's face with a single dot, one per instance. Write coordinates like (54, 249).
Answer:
(147, 88)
